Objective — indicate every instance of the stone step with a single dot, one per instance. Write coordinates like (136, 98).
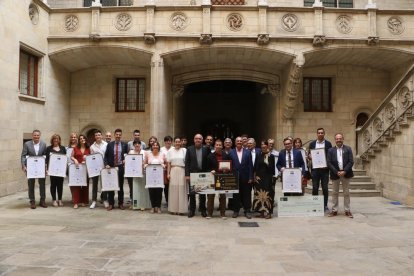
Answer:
(358, 185)
(353, 192)
(361, 178)
(360, 172)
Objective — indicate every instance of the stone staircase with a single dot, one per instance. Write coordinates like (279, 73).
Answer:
(359, 186)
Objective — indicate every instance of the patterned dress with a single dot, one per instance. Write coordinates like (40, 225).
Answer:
(263, 188)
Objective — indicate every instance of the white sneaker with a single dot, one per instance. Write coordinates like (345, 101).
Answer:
(93, 205)
(106, 203)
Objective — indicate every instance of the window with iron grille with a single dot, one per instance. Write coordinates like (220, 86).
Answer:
(28, 71)
(317, 94)
(130, 94)
(332, 3)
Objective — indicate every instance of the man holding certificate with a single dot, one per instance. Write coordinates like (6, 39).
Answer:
(99, 146)
(320, 172)
(34, 147)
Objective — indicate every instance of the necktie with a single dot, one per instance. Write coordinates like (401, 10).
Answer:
(116, 154)
(289, 160)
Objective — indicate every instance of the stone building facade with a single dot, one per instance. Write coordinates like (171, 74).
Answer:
(269, 68)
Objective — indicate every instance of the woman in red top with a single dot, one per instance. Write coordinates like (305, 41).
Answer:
(80, 194)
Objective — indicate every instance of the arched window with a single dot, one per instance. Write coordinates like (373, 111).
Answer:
(361, 119)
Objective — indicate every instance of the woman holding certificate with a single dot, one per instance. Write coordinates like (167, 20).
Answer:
(56, 182)
(155, 157)
(80, 194)
(177, 193)
(297, 144)
(142, 200)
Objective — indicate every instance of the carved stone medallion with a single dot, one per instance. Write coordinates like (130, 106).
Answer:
(367, 137)
(395, 25)
(179, 21)
(235, 22)
(404, 97)
(71, 23)
(378, 126)
(389, 112)
(34, 14)
(123, 22)
(290, 22)
(344, 24)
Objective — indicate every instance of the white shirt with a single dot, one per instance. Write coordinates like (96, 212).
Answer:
(291, 159)
(320, 145)
(99, 148)
(275, 153)
(339, 152)
(164, 150)
(253, 152)
(36, 147)
(239, 154)
(176, 157)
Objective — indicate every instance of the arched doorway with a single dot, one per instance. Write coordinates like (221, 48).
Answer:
(361, 119)
(90, 135)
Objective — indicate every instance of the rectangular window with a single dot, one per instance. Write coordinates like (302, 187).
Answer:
(332, 3)
(317, 94)
(109, 3)
(130, 94)
(28, 71)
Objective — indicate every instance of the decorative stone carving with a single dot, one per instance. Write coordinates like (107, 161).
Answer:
(178, 90)
(71, 23)
(404, 97)
(206, 39)
(34, 14)
(95, 37)
(273, 89)
(290, 22)
(344, 24)
(395, 25)
(389, 112)
(378, 125)
(263, 39)
(373, 40)
(290, 99)
(149, 38)
(179, 21)
(123, 22)
(235, 22)
(319, 40)
(367, 137)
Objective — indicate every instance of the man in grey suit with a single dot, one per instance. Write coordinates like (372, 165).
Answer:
(34, 147)
(340, 162)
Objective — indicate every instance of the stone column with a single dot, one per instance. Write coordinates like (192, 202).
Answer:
(149, 35)
(158, 98)
(263, 36)
(206, 37)
(373, 38)
(96, 10)
(319, 37)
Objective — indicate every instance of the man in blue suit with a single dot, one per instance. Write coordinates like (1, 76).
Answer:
(243, 166)
(290, 158)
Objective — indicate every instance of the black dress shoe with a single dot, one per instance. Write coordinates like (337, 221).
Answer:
(191, 214)
(32, 205)
(204, 214)
(235, 214)
(247, 215)
(42, 204)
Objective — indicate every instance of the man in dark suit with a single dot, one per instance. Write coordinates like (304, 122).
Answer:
(255, 152)
(243, 166)
(290, 158)
(115, 157)
(340, 162)
(320, 175)
(34, 147)
(196, 162)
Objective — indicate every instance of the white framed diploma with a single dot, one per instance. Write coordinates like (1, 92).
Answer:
(77, 175)
(303, 152)
(57, 165)
(292, 180)
(109, 180)
(133, 165)
(94, 164)
(276, 170)
(154, 176)
(318, 158)
(69, 151)
(36, 167)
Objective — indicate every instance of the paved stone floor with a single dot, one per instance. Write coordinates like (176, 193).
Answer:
(65, 241)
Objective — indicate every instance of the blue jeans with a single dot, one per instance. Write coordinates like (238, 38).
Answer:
(321, 176)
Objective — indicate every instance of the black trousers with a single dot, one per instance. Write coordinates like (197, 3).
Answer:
(155, 195)
(130, 184)
(321, 176)
(201, 204)
(111, 194)
(244, 197)
(31, 190)
(95, 182)
(56, 185)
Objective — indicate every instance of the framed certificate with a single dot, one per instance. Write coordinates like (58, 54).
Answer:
(35, 167)
(292, 180)
(276, 170)
(318, 158)
(57, 165)
(224, 165)
(201, 181)
(154, 176)
(109, 180)
(77, 175)
(133, 165)
(303, 152)
(69, 151)
(94, 164)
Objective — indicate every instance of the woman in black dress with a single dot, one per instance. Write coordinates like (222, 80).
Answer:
(264, 170)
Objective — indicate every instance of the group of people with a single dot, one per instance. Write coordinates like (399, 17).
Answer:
(257, 169)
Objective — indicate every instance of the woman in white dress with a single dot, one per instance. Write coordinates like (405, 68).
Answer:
(177, 194)
(142, 200)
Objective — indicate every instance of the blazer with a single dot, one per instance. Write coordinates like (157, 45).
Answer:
(257, 152)
(245, 167)
(297, 160)
(109, 158)
(29, 150)
(191, 165)
(348, 162)
(212, 163)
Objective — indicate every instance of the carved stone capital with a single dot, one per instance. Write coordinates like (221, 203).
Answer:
(263, 39)
(319, 40)
(178, 90)
(94, 37)
(373, 40)
(206, 39)
(149, 38)
(273, 89)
